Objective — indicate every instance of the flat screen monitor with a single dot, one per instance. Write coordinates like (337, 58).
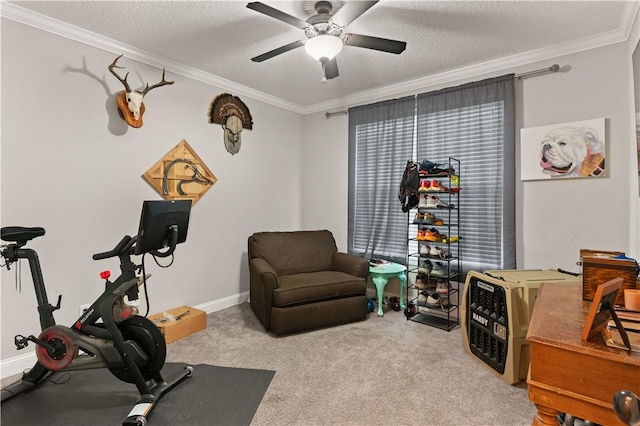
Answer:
(158, 220)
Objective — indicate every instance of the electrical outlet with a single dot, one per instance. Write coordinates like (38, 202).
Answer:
(84, 308)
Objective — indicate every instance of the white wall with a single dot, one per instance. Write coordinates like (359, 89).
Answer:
(72, 166)
(324, 175)
(555, 219)
(560, 218)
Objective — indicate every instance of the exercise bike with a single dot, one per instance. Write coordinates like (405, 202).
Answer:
(129, 345)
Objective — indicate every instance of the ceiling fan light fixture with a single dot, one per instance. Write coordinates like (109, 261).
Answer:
(323, 46)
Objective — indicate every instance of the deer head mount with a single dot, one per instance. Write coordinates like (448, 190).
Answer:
(130, 103)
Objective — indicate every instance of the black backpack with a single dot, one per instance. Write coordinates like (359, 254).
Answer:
(408, 193)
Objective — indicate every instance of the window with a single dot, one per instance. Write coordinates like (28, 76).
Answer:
(473, 123)
(380, 143)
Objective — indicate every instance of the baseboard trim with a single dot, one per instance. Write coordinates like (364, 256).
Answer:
(225, 302)
(20, 363)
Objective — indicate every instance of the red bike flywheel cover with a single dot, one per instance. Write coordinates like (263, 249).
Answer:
(61, 340)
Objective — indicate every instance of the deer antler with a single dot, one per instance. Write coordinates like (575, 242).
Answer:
(162, 83)
(123, 81)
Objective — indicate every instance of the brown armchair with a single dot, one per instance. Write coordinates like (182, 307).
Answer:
(299, 281)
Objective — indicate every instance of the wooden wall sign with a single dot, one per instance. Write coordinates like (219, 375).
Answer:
(180, 175)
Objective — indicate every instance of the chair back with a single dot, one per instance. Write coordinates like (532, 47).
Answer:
(294, 252)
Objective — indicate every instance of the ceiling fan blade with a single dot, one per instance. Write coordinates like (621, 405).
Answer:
(376, 43)
(279, 15)
(330, 69)
(275, 52)
(350, 11)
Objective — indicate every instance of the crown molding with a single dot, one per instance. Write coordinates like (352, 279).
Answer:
(630, 15)
(630, 12)
(63, 29)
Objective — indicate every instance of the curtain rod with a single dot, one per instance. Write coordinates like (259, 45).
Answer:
(552, 68)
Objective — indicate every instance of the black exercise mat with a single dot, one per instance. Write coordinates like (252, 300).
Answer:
(213, 396)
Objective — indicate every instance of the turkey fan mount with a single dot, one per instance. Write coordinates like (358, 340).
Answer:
(233, 115)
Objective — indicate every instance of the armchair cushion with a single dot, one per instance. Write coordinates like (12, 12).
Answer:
(315, 286)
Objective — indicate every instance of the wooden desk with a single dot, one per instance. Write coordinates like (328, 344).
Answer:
(567, 375)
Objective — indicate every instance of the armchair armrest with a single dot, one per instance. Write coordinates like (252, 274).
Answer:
(263, 279)
(262, 267)
(351, 264)
(262, 273)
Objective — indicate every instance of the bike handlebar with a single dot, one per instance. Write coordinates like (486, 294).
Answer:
(125, 242)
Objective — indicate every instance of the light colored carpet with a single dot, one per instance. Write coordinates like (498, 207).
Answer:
(381, 371)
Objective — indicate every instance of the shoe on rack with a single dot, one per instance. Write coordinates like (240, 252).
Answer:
(423, 202)
(443, 287)
(418, 218)
(433, 299)
(436, 186)
(430, 168)
(429, 298)
(425, 167)
(424, 185)
(428, 218)
(432, 202)
(435, 202)
(439, 270)
(421, 234)
(424, 250)
(445, 254)
(442, 169)
(433, 235)
(426, 264)
(425, 282)
(435, 251)
(437, 221)
(425, 267)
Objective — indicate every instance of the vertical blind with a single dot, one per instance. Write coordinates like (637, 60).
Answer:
(473, 123)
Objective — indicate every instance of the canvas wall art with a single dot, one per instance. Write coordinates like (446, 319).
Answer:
(566, 150)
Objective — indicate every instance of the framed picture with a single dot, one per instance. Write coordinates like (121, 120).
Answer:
(601, 308)
(567, 150)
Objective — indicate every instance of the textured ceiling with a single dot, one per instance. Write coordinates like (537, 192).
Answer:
(220, 37)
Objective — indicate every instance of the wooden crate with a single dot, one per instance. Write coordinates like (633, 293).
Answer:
(598, 269)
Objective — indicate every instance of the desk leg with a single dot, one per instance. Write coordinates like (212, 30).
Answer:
(545, 416)
(403, 285)
(380, 283)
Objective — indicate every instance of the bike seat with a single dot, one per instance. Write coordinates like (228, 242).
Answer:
(20, 234)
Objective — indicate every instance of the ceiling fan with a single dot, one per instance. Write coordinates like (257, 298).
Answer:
(324, 32)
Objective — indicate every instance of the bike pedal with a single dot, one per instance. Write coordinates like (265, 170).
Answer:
(20, 341)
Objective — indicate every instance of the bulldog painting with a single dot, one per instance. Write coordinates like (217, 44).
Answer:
(571, 150)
